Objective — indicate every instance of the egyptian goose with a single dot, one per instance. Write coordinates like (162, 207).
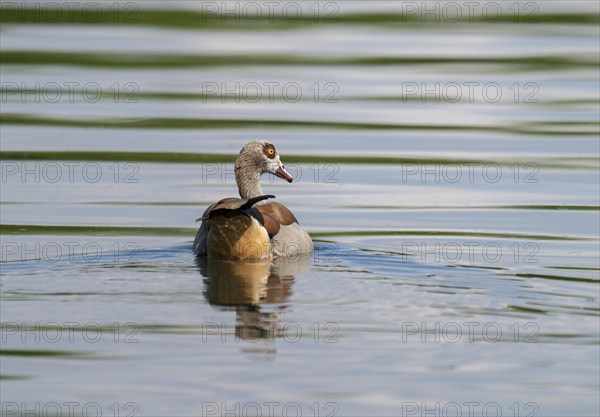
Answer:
(250, 228)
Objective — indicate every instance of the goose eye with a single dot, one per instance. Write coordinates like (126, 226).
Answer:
(270, 152)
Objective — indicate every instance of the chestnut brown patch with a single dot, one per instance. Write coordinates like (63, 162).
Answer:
(271, 225)
(278, 212)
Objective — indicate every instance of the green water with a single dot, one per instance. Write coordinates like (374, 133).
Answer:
(448, 172)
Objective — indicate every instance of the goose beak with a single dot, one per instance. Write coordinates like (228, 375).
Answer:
(282, 173)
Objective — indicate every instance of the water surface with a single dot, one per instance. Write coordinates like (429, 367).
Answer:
(456, 236)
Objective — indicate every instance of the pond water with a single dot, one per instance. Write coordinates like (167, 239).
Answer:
(447, 170)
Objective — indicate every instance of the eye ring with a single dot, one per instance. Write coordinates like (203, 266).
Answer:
(270, 152)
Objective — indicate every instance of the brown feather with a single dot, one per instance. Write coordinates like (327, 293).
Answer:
(270, 224)
(278, 212)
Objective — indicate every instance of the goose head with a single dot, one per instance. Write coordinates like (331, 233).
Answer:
(256, 158)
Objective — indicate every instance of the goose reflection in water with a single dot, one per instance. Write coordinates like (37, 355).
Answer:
(258, 292)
